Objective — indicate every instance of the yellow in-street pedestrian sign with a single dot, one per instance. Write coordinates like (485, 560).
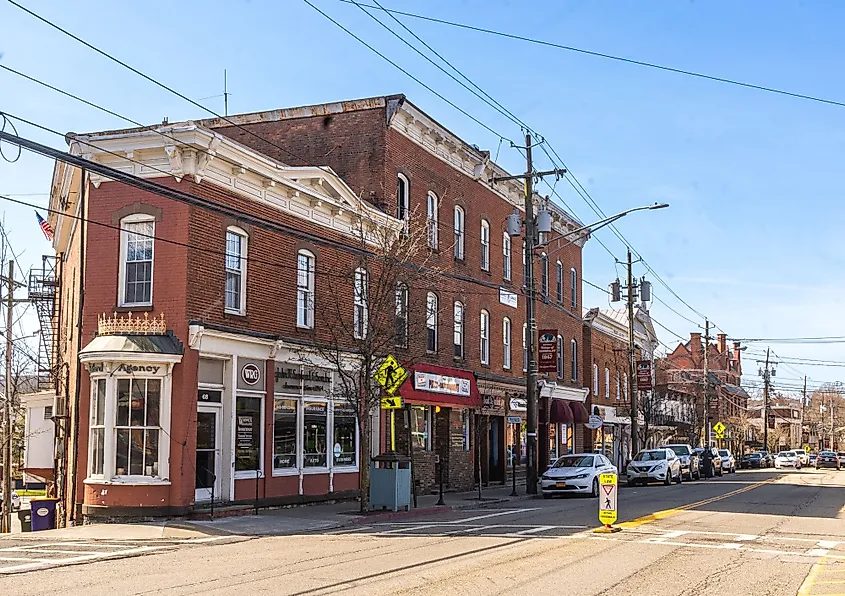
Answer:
(390, 375)
(393, 402)
(719, 429)
(607, 498)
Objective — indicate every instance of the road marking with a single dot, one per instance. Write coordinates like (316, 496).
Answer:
(497, 514)
(534, 530)
(828, 543)
(818, 552)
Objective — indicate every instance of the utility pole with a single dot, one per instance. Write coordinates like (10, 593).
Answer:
(766, 403)
(707, 381)
(532, 240)
(7, 406)
(632, 375)
(804, 411)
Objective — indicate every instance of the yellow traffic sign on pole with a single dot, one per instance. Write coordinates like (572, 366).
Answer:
(608, 488)
(719, 429)
(393, 402)
(390, 375)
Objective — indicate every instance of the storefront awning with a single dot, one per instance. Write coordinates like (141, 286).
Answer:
(561, 413)
(166, 348)
(441, 386)
(579, 412)
(559, 391)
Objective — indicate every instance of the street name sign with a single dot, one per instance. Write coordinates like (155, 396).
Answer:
(607, 498)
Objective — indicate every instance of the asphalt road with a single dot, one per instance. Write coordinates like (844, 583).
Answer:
(756, 533)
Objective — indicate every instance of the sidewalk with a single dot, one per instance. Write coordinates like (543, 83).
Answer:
(320, 517)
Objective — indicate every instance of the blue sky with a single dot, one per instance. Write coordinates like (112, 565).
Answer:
(752, 238)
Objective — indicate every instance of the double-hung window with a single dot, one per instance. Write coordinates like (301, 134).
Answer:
(559, 282)
(432, 209)
(560, 357)
(506, 256)
(236, 240)
(485, 337)
(403, 199)
(573, 362)
(485, 245)
(459, 232)
(459, 330)
(618, 388)
(596, 380)
(573, 289)
(137, 426)
(506, 343)
(361, 314)
(401, 337)
(431, 322)
(607, 383)
(524, 347)
(98, 427)
(305, 289)
(544, 275)
(136, 260)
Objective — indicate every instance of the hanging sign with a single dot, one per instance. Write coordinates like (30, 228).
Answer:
(644, 375)
(547, 351)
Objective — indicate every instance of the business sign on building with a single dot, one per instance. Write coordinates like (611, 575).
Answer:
(250, 374)
(547, 351)
(295, 380)
(644, 375)
(424, 381)
(508, 298)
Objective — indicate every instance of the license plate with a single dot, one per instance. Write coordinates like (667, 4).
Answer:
(560, 485)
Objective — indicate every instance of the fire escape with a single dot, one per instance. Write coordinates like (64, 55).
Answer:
(44, 294)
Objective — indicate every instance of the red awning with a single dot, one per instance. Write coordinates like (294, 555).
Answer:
(579, 412)
(441, 386)
(560, 412)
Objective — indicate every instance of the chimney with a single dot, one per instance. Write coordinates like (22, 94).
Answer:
(695, 343)
(722, 342)
(737, 351)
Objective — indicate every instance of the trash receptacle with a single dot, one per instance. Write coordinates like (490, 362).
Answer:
(43, 514)
(25, 519)
(390, 482)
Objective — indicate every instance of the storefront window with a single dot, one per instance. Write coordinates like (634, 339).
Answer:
(345, 431)
(284, 433)
(137, 427)
(552, 442)
(420, 427)
(314, 434)
(248, 434)
(98, 430)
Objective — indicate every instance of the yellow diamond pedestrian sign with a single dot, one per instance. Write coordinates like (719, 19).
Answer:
(719, 428)
(394, 402)
(390, 375)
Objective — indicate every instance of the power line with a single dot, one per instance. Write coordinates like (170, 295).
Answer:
(604, 55)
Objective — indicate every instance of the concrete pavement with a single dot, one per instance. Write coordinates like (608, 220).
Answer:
(759, 533)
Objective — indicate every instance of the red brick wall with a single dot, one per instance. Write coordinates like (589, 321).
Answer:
(608, 352)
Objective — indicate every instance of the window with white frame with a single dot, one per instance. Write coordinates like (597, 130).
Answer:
(544, 275)
(559, 281)
(596, 380)
(506, 256)
(361, 314)
(236, 241)
(607, 383)
(524, 347)
(345, 435)
(625, 386)
(432, 211)
(560, 357)
(431, 322)
(401, 338)
(98, 428)
(618, 387)
(458, 334)
(459, 232)
(485, 245)
(421, 425)
(506, 343)
(137, 427)
(285, 425)
(315, 434)
(248, 449)
(573, 356)
(136, 260)
(485, 337)
(403, 198)
(305, 289)
(573, 288)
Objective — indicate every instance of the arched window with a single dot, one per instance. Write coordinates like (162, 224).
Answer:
(305, 289)
(573, 362)
(401, 338)
(485, 245)
(136, 260)
(432, 210)
(607, 383)
(544, 275)
(560, 282)
(361, 306)
(236, 244)
(485, 337)
(625, 386)
(431, 322)
(506, 256)
(560, 357)
(403, 197)
(573, 288)
(506, 343)
(459, 232)
(618, 387)
(458, 319)
(595, 380)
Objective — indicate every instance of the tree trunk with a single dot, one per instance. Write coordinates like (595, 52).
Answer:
(364, 465)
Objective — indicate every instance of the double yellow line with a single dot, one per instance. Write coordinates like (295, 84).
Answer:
(634, 523)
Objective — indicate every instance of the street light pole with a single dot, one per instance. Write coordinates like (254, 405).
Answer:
(531, 326)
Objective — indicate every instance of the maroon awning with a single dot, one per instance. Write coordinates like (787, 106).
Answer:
(441, 386)
(561, 412)
(579, 412)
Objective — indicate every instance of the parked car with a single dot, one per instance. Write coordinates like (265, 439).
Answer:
(16, 501)
(575, 473)
(788, 459)
(728, 461)
(813, 458)
(841, 455)
(690, 464)
(714, 457)
(803, 456)
(650, 465)
(828, 459)
(768, 459)
(752, 460)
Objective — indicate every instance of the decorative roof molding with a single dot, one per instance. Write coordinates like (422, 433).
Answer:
(128, 326)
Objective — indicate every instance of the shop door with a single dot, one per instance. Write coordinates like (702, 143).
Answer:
(208, 454)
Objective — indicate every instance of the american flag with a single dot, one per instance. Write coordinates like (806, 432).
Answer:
(45, 227)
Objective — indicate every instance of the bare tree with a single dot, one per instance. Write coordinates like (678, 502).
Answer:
(364, 313)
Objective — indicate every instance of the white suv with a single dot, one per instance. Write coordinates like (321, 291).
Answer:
(650, 465)
(690, 465)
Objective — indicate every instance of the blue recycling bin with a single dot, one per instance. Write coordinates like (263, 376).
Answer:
(43, 514)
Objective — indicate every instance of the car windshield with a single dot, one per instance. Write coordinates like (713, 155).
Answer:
(754, 456)
(724, 452)
(680, 449)
(786, 454)
(827, 454)
(656, 455)
(574, 461)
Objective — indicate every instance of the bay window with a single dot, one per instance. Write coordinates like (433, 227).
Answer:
(98, 426)
(137, 427)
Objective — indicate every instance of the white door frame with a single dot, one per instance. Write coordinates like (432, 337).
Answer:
(204, 494)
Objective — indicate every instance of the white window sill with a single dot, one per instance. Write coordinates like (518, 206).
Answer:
(345, 469)
(277, 472)
(248, 475)
(282, 472)
(128, 481)
(135, 304)
(315, 470)
(232, 311)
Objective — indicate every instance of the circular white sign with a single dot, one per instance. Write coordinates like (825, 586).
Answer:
(337, 449)
(42, 512)
(250, 374)
(594, 422)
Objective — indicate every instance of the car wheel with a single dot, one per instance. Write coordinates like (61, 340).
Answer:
(698, 474)
(668, 480)
(595, 492)
(680, 478)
